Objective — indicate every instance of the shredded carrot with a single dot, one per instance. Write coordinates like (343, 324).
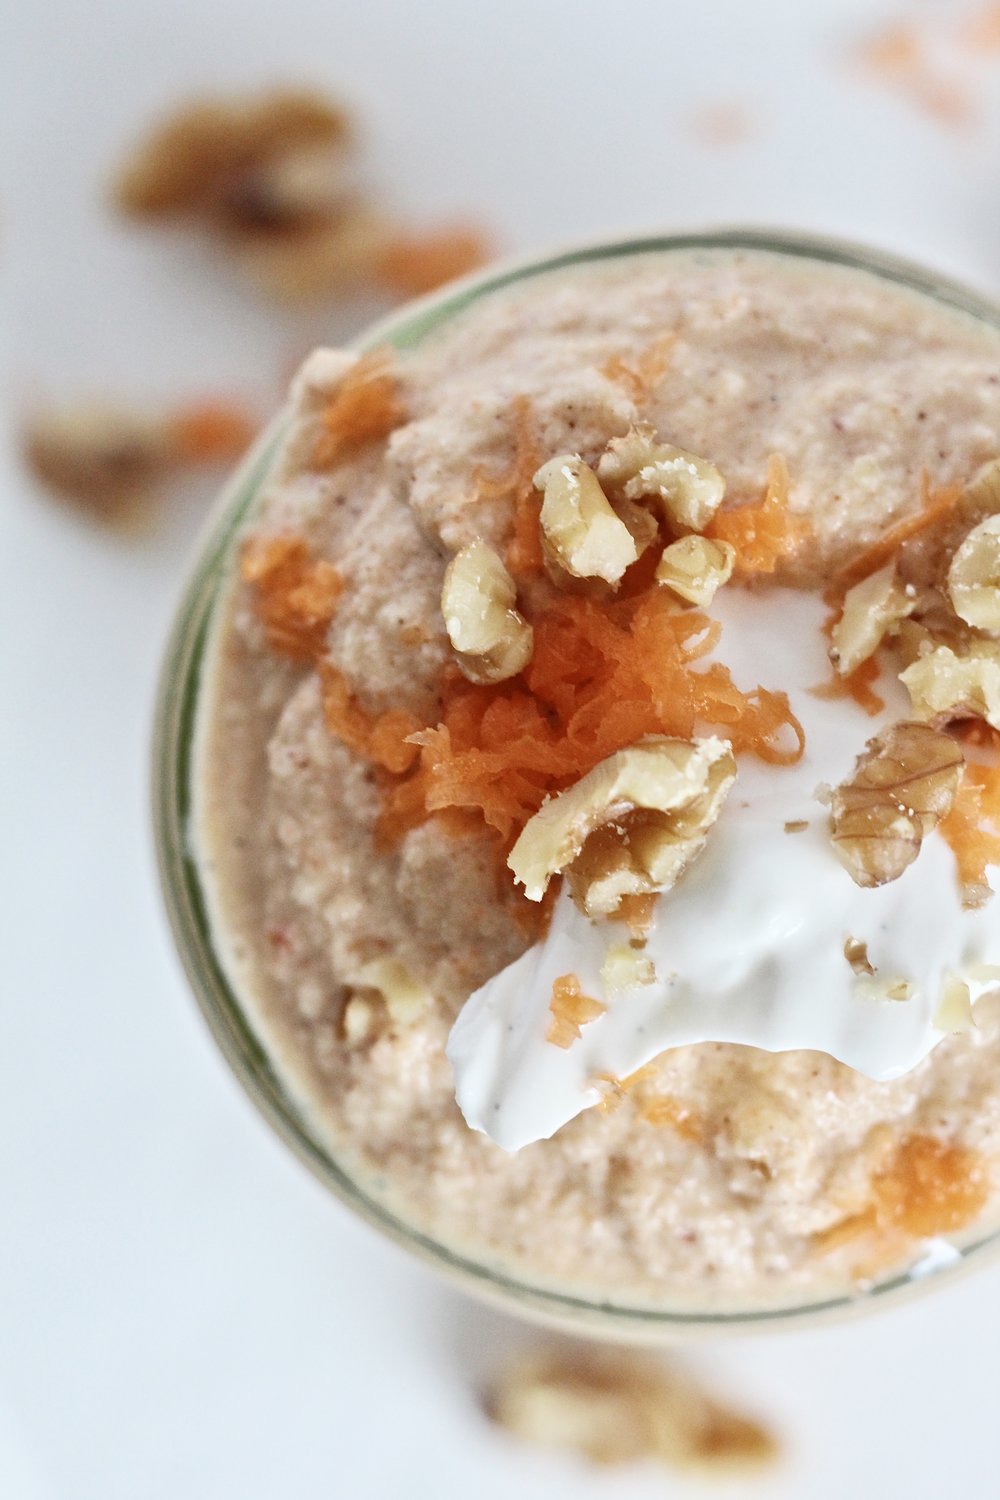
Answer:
(365, 407)
(211, 431)
(382, 738)
(858, 685)
(894, 50)
(601, 677)
(641, 377)
(295, 594)
(412, 264)
(981, 32)
(766, 533)
(972, 827)
(928, 1188)
(571, 1010)
(946, 100)
(937, 504)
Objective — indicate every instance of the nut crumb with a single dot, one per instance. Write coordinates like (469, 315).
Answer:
(954, 1014)
(796, 825)
(856, 953)
(404, 997)
(625, 967)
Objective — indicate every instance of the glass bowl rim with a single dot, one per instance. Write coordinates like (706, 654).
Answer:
(173, 756)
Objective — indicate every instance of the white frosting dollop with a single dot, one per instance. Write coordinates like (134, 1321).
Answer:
(749, 946)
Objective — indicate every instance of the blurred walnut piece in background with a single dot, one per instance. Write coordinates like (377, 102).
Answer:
(108, 459)
(617, 1406)
(274, 178)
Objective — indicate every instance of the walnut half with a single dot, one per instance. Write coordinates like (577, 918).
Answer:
(902, 785)
(491, 640)
(630, 826)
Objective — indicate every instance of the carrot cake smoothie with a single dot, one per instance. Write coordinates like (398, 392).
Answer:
(598, 789)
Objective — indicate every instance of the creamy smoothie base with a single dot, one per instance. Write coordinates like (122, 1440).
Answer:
(727, 1176)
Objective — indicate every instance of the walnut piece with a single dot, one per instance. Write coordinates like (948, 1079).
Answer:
(254, 165)
(618, 1407)
(637, 467)
(695, 568)
(974, 576)
(630, 826)
(104, 456)
(581, 534)
(358, 1020)
(405, 998)
(871, 609)
(491, 640)
(944, 684)
(626, 967)
(954, 1013)
(856, 953)
(903, 783)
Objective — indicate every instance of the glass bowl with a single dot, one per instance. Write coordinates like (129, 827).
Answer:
(184, 894)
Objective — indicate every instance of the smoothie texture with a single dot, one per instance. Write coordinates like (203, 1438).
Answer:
(600, 723)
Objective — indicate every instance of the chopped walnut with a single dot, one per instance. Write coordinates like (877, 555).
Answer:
(638, 467)
(974, 576)
(404, 997)
(327, 257)
(626, 967)
(491, 640)
(358, 1020)
(944, 684)
(856, 953)
(105, 457)
(954, 1013)
(871, 610)
(619, 1407)
(257, 165)
(630, 826)
(879, 987)
(581, 534)
(274, 177)
(903, 783)
(695, 568)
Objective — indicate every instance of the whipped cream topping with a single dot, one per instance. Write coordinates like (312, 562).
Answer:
(748, 947)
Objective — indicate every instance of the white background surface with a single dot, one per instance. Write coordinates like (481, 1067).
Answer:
(183, 1313)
